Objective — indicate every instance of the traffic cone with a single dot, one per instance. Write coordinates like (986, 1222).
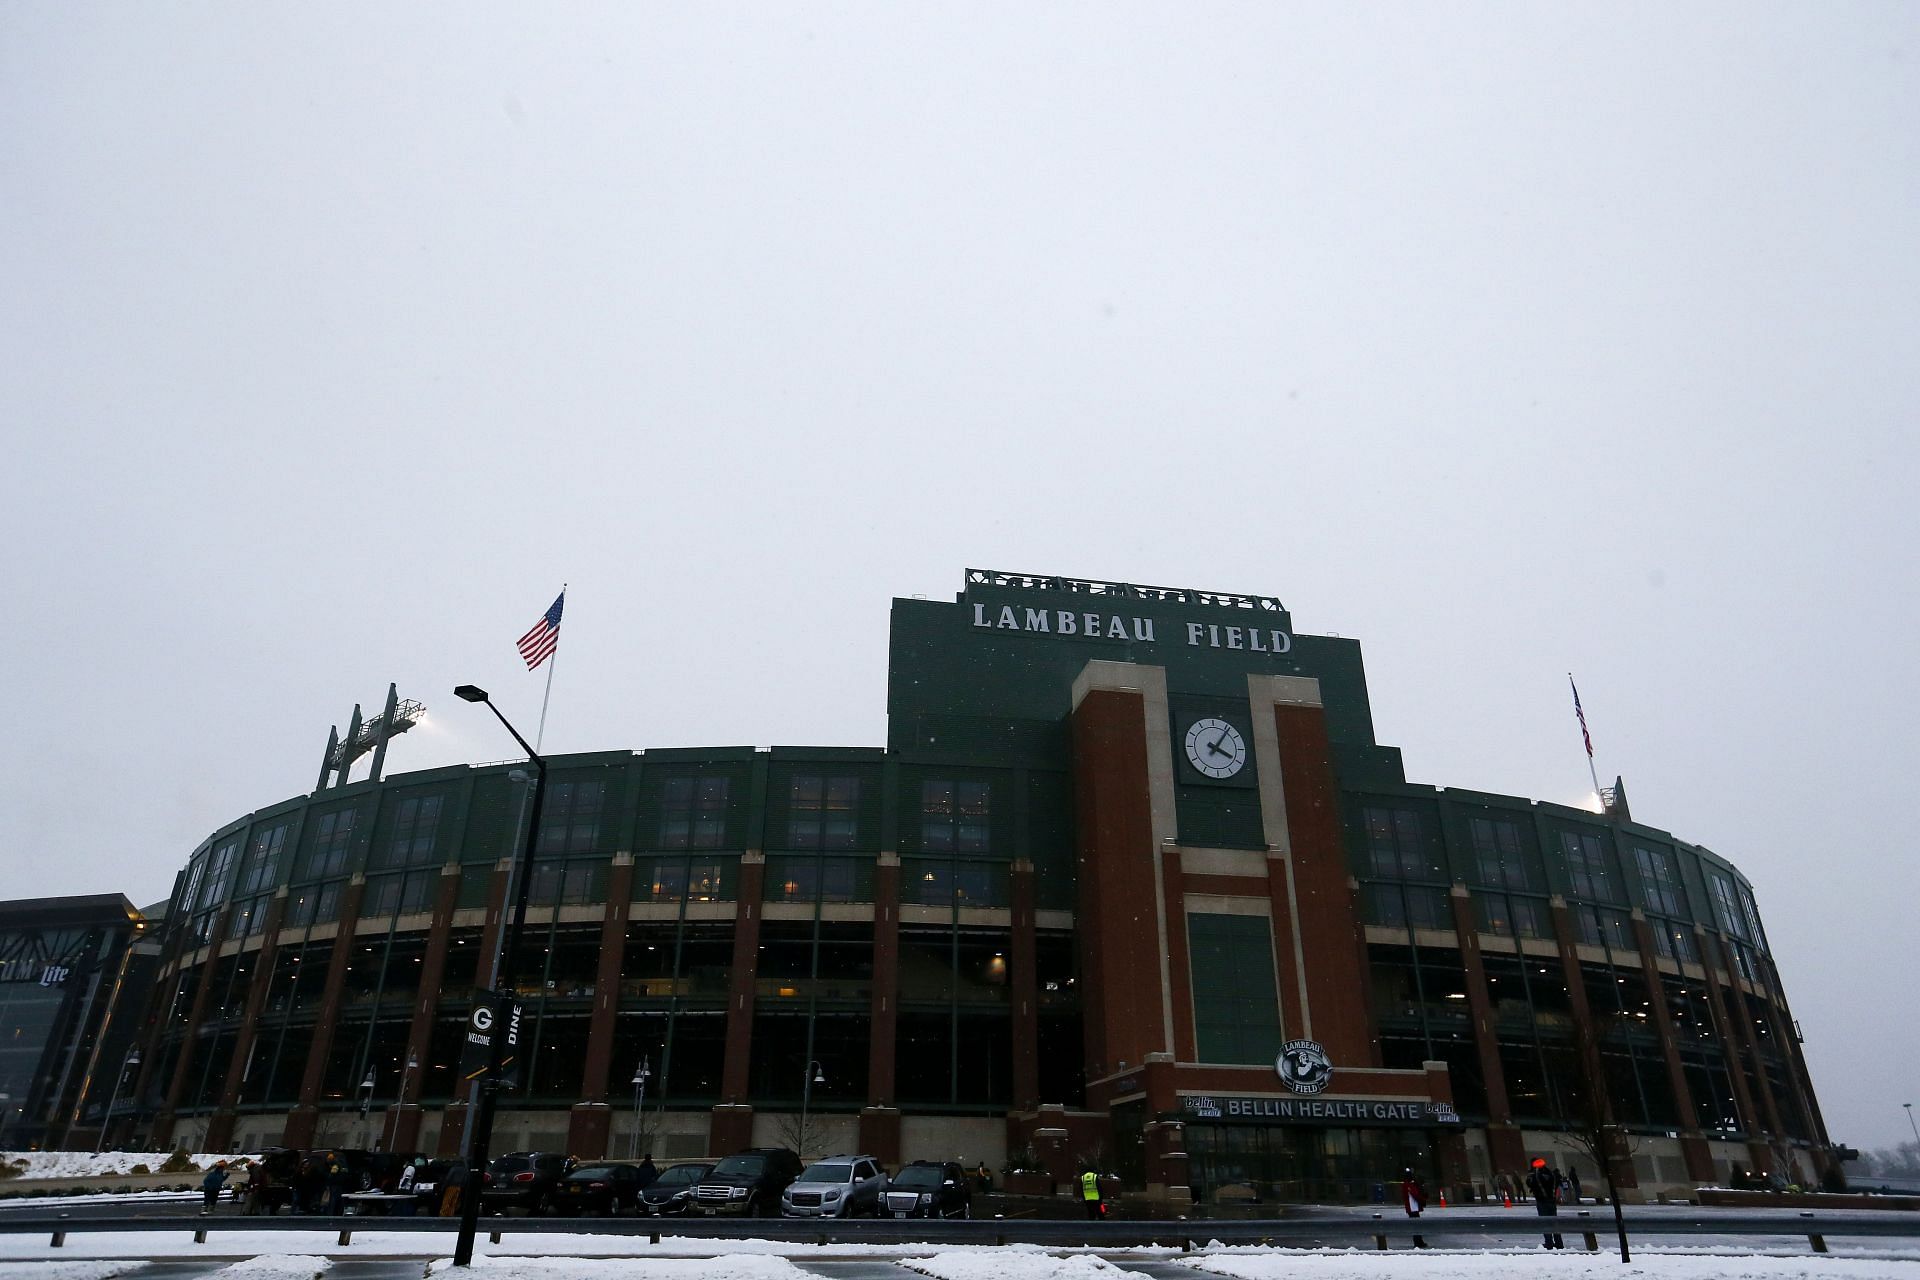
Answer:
(1443, 1199)
(1506, 1199)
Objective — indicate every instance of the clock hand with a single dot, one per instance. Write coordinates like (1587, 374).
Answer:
(1215, 748)
(1222, 738)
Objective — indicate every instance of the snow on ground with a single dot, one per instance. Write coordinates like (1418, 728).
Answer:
(65, 1270)
(178, 1243)
(1294, 1264)
(276, 1266)
(736, 1267)
(85, 1164)
(1030, 1263)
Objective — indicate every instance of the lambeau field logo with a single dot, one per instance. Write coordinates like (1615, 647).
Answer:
(1303, 1066)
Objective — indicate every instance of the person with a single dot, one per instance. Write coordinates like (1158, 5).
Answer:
(1573, 1183)
(256, 1188)
(986, 1177)
(1413, 1198)
(1090, 1192)
(647, 1174)
(408, 1176)
(338, 1178)
(1542, 1183)
(211, 1184)
(311, 1183)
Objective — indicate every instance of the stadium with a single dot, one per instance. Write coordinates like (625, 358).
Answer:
(1130, 884)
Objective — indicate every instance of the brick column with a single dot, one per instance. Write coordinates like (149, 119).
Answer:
(1587, 1040)
(400, 1130)
(1506, 1150)
(220, 1127)
(1780, 1027)
(732, 1126)
(1173, 906)
(304, 1120)
(1740, 1017)
(880, 1118)
(1324, 913)
(590, 1122)
(1729, 1045)
(196, 1015)
(1693, 1143)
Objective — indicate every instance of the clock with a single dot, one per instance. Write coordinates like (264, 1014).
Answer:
(1216, 748)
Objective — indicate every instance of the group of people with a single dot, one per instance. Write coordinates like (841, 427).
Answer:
(316, 1182)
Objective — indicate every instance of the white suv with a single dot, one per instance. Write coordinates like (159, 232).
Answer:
(836, 1187)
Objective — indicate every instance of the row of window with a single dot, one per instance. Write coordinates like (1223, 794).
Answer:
(1400, 844)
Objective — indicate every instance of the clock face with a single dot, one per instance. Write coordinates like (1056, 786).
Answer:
(1216, 748)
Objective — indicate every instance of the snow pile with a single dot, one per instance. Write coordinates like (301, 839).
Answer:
(1292, 1264)
(1028, 1263)
(276, 1266)
(727, 1267)
(85, 1164)
(65, 1270)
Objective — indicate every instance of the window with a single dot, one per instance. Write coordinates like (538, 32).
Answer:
(822, 813)
(1398, 846)
(416, 821)
(678, 879)
(567, 884)
(1407, 906)
(196, 871)
(1660, 881)
(1498, 853)
(1235, 1014)
(570, 817)
(328, 854)
(693, 813)
(1674, 941)
(1587, 866)
(954, 816)
(1751, 914)
(318, 904)
(262, 867)
(212, 887)
(1510, 916)
(1725, 909)
(1602, 927)
(406, 894)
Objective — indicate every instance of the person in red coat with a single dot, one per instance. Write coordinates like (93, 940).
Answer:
(1413, 1198)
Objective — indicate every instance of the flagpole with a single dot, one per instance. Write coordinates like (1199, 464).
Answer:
(552, 662)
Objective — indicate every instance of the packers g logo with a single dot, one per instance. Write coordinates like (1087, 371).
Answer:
(1303, 1066)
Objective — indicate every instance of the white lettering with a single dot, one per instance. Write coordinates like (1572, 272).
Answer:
(1037, 620)
(1007, 621)
(1233, 638)
(980, 616)
(1282, 642)
(1213, 635)
(1093, 623)
(1145, 636)
(1193, 632)
(1069, 623)
(1115, 629)
(1253, 640)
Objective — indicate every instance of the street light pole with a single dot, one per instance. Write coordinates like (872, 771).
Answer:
(812, 1076)
(1910, 1123)
(133, 1060)
(366, 1092)
(640, 1075)
(481, 1131)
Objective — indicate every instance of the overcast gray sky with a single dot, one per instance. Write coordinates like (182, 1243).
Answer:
(1509, 339)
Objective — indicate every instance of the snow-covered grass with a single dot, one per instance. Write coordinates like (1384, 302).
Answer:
(85, 1164)
(1294, 1264)
(66, 1270)
(733, 1267)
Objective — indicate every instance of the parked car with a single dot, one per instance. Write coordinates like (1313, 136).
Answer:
(595, 1188)
(521, 1180)
(837, 1187)
(672, 1191)
(929, 1189)
(747, 1184)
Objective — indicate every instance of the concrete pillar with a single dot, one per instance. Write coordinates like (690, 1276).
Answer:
(401, 1129)
(881, 1047)
(1586, 1038)
(880, 1134)
(1506, 1150)
(1023, 948)
(740, 990)
(1693, 1143)
(220, 1126)
(589, 1125)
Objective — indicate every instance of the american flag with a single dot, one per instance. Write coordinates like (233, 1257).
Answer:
(1584, 735)
(538, 644)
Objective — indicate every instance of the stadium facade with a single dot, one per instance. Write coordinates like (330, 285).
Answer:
(1131, 882)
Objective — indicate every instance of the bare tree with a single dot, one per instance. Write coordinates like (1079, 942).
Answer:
(798, 1132)
(1601, 1142)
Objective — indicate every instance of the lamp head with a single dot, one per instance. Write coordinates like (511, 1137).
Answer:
(819, 1076)
(470, 692)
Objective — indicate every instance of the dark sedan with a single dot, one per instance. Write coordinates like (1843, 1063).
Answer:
(595, 1188)
(672, 1191)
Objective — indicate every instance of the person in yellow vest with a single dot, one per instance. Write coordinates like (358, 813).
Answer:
(1090, 1192)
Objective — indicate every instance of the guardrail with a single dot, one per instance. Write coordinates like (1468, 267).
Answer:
(1381, 1231)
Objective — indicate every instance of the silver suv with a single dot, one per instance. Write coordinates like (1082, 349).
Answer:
(836, 1187)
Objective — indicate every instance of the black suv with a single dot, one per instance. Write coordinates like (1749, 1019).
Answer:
(929, 1189)
(748, 1184)
(522, 1180)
